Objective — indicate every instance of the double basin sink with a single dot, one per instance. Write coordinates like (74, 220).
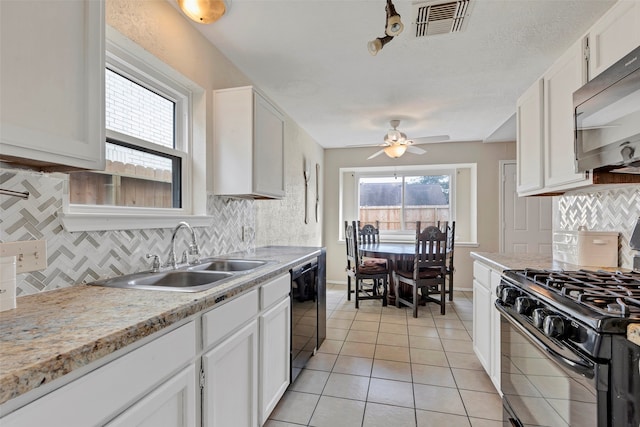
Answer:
(206, 274)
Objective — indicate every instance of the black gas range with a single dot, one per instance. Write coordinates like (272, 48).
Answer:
(565, 357)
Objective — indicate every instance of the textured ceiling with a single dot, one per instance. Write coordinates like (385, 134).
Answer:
(310, 57)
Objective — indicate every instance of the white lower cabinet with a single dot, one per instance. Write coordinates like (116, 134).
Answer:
(274, 356)
(495, 355)
(246, 356)
(482, 320)
(486, 320)
(170, 405)
(132, 387)
(230, 394)
(245, 370)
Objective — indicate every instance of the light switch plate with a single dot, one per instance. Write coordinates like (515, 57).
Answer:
(31, 255)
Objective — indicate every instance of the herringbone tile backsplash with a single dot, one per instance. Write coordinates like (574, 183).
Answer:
(87, 256)
(610, 210)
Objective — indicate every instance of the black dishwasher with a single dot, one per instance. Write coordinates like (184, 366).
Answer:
(308, 312)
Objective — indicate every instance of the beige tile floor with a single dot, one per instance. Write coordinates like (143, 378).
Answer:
(381, 367)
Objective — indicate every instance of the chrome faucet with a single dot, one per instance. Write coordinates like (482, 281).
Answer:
(193, 250)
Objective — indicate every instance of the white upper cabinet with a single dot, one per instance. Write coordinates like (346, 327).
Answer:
(529, 139)
(545, 112)
(248, 145)
(614, 35)
(566, 76)
(52, 79)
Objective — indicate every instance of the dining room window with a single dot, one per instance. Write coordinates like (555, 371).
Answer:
(397, 202)
(396, 198)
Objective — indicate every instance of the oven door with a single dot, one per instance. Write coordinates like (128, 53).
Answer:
(545, 383)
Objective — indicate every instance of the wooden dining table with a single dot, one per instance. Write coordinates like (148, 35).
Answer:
(393, 252)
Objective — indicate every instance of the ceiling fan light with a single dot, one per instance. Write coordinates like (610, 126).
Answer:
(203, 11)
(395, 151)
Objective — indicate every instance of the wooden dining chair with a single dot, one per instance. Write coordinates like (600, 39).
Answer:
(451, 236)
(450, 229)
(428, 271)
(369, 234)
(370, 279)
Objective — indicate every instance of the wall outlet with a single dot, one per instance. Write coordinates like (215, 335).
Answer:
(31, 255)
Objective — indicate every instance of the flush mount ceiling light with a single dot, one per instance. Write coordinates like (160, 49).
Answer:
(392, 28)
(203, 11)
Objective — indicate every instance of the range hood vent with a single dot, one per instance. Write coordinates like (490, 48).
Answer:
(439, 17)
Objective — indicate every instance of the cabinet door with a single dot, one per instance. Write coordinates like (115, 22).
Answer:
(268, 145)
(230, 396)
(173, 404)
(52, 79)
(614, 35)
(482, 305)
(530, 139)
(560, 81)
(275, 341)
(496, 364)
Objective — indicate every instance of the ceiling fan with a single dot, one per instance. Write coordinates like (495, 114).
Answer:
(396, 142)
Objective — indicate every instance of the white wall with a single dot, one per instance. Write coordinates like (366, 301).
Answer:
(487, 157)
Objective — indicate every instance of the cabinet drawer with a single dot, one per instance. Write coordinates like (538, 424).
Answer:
(221, 321)
(482, 274)
(274, 291)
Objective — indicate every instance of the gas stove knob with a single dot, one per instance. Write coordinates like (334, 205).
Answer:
(524, 305)
(554, 326)
(509, 296)
(538, 316)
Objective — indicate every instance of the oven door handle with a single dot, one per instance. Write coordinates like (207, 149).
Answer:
(582, 366)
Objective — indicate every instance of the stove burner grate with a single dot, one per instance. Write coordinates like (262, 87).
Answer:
(608, 293)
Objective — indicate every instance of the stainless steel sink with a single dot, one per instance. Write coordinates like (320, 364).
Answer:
(232, 265)
(174, 280)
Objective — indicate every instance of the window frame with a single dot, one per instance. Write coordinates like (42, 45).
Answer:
(133, 62)
(390, 235)
(350, 208)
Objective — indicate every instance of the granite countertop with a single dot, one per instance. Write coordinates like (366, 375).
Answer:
(515, 261)
(511, 261)
(50, 334)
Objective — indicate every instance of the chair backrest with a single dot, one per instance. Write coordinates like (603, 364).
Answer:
(369, 233)
(431, 248)
(451, 242)
(450, 229)
(351, 239)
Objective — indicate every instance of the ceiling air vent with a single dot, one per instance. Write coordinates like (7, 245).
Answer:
(440, 18)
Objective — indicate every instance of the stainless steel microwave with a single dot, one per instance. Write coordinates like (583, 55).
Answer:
(607, 118)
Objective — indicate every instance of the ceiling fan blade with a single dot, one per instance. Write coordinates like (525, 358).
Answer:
(430, 139)
(376, 154)
(384, 144)
(415, 150)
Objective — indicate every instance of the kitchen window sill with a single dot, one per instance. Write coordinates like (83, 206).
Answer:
(74, 222)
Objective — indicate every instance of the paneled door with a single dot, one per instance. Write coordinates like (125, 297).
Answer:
(526, 221)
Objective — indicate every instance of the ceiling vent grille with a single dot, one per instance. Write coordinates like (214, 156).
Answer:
(440, 18)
